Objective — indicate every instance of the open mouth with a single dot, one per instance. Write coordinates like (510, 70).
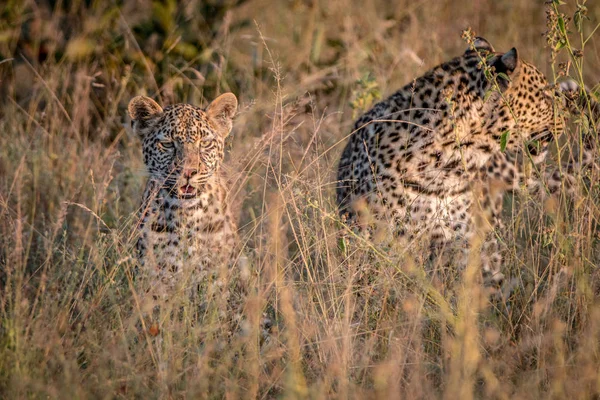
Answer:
(187, 192)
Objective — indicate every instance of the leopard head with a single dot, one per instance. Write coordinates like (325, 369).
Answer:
(521, 99)
(182, 144)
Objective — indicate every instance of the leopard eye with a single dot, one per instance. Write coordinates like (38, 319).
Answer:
(167, 144)
(205, 143)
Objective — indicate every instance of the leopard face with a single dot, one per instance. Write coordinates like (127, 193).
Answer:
(182, 144)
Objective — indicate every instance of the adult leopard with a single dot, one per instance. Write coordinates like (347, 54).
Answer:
(440, 153)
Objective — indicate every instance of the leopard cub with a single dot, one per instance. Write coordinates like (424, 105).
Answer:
(186, 230)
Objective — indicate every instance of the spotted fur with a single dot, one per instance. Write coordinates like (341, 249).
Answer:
(430, 158)
(186, 229)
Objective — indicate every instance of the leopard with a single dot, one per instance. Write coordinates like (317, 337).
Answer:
(187, 232)
(434, 160)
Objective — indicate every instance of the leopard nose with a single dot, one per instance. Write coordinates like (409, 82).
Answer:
(189, 172)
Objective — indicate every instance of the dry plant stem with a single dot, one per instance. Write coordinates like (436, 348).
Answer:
(465, 346)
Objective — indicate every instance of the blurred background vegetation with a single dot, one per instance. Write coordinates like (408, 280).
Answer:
(350, 322)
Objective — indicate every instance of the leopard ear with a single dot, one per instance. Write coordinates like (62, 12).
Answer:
(480, 45)
(221, 112)
(143, 110)
(506, 68)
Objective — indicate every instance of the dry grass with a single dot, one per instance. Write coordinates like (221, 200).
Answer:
(352, 318)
